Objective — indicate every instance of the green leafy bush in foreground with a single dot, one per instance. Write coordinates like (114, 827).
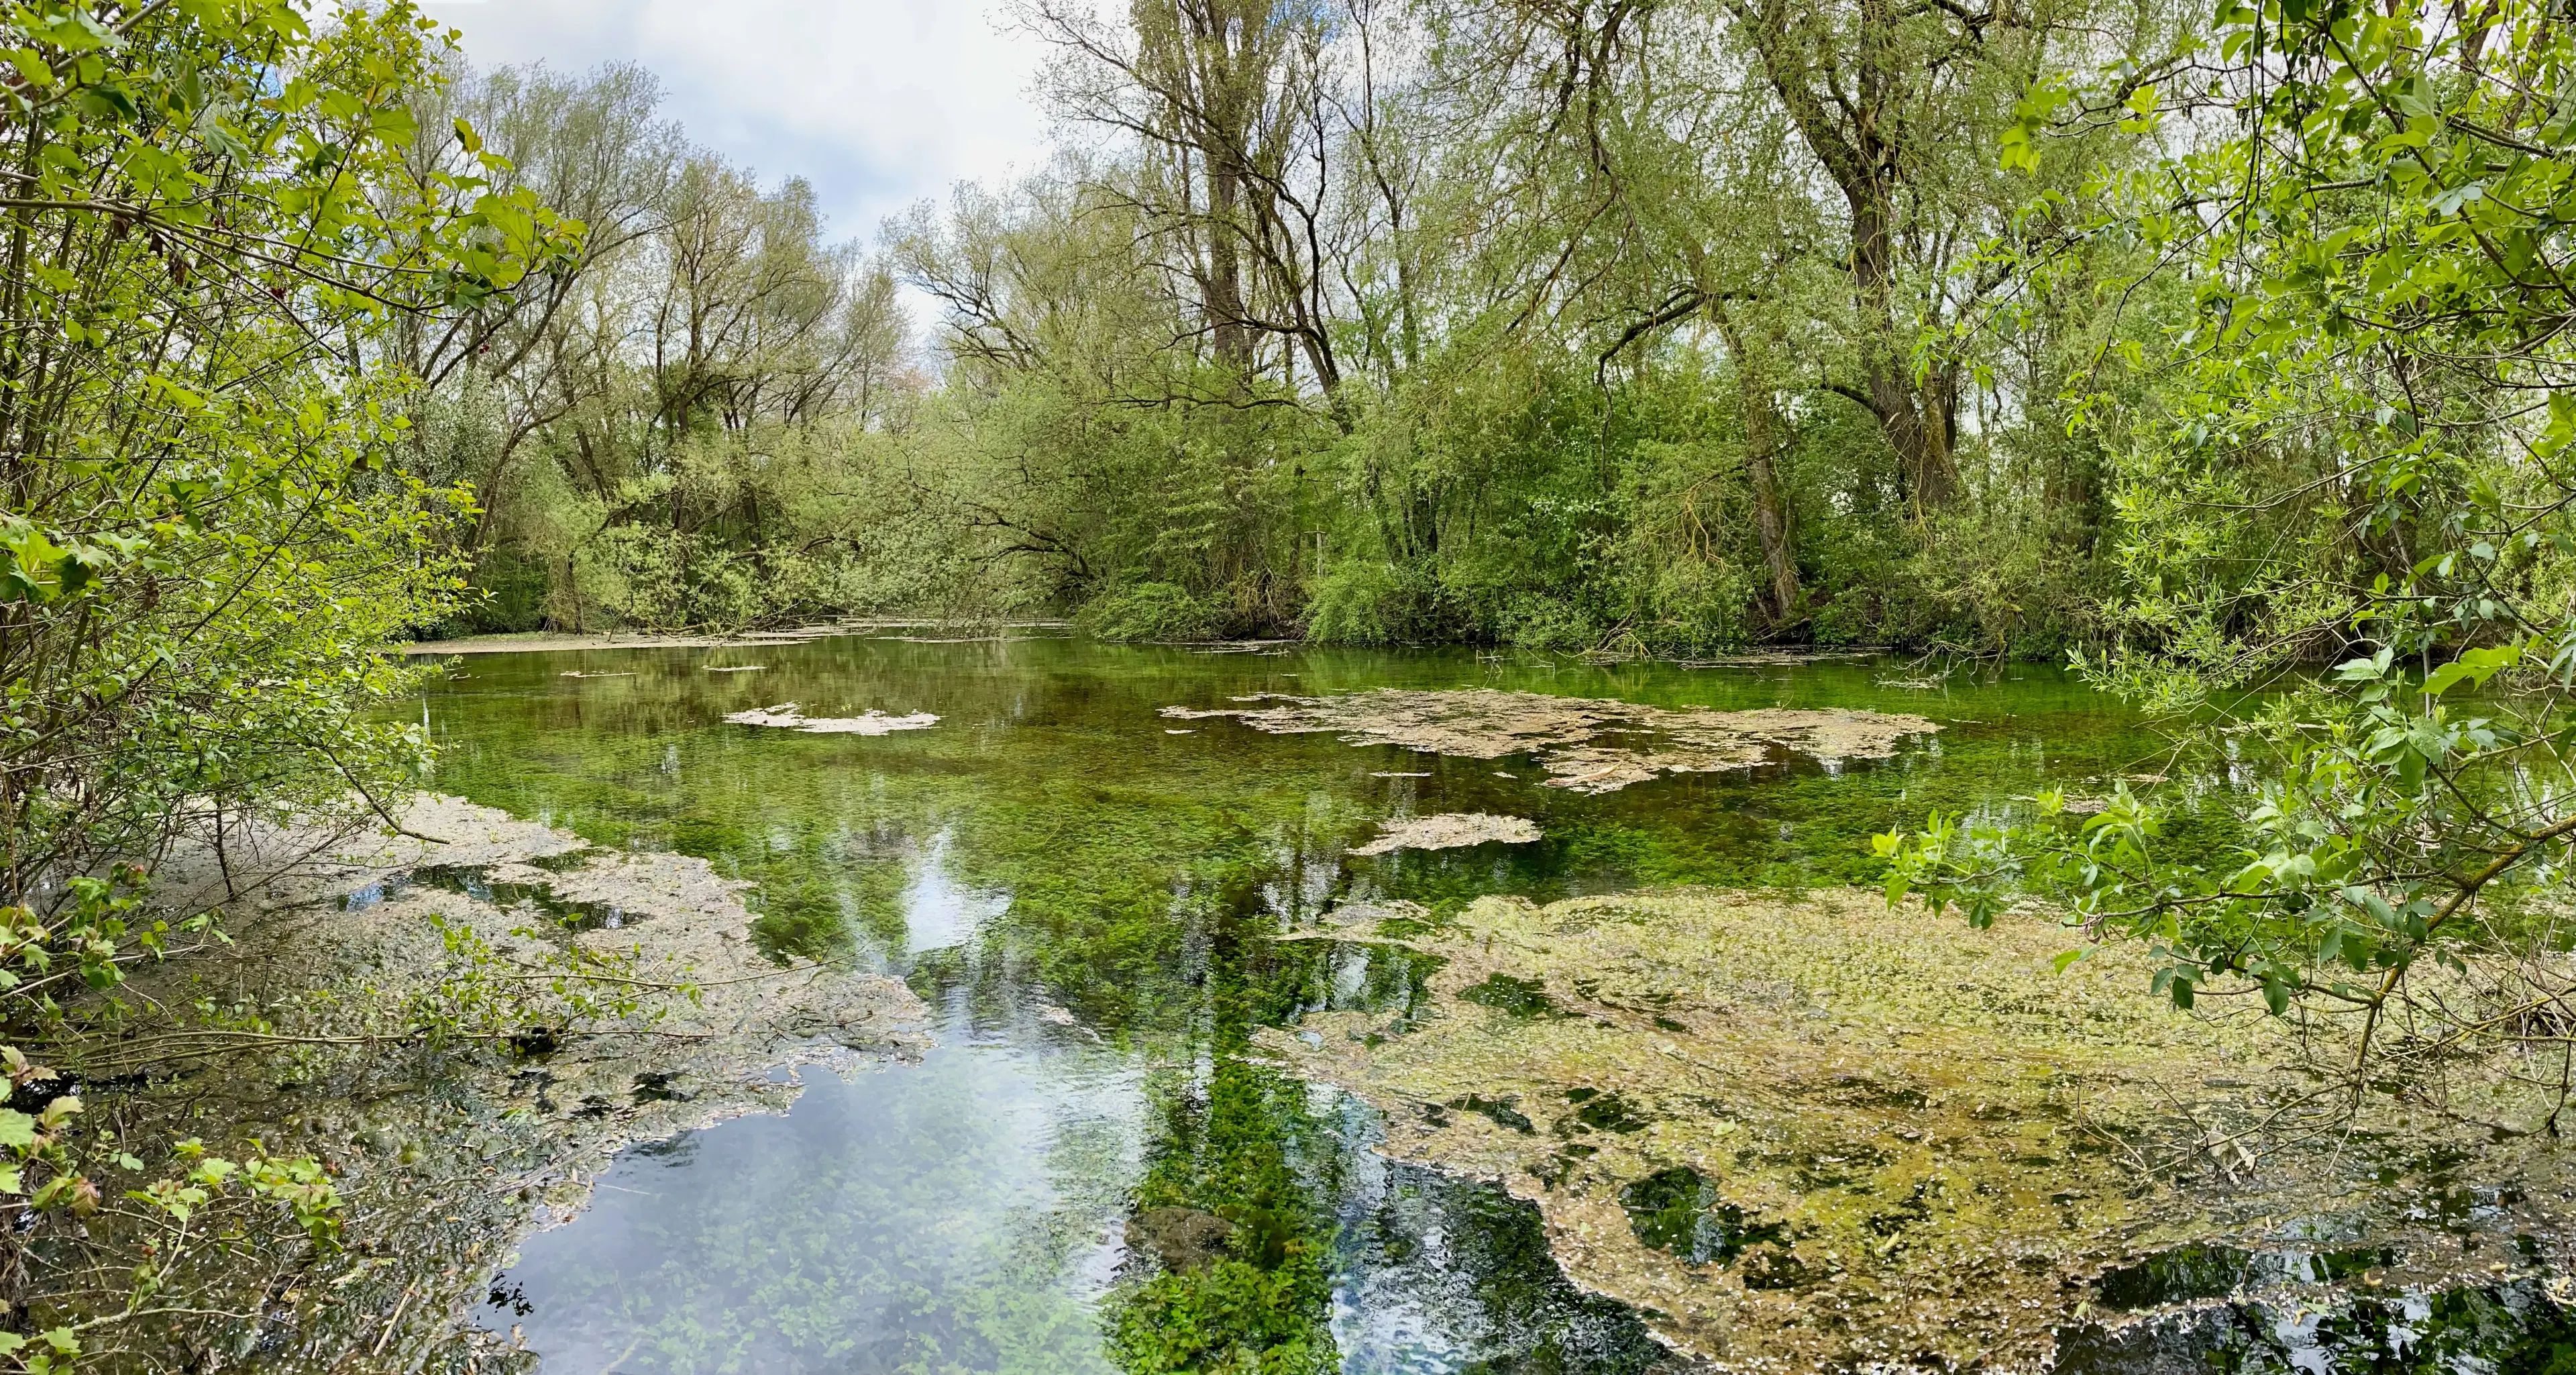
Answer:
(215, 209)
(2359, 449)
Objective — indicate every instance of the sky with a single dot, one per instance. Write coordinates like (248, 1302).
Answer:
(878, 103)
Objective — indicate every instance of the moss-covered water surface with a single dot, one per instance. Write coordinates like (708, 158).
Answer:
(1102, 1165)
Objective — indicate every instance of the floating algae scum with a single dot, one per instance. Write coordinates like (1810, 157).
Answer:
(1810, 1133)
(1038, 1038)
(1586, 745)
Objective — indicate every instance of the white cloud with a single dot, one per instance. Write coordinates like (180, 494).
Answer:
(878, 103)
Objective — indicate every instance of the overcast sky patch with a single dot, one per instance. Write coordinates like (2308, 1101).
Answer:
(878, 103)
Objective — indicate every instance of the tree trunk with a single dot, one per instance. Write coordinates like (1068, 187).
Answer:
(1771, 522)
(1225, 266)
(1766, 433)
(1915, 418)
(1856, 136)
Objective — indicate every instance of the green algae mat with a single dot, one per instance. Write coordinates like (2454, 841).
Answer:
(1808, 1132)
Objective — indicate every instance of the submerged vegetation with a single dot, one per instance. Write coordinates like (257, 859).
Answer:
(2224, 350)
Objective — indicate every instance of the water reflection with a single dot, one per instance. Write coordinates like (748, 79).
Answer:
(1435, 1274)
(1029, 1200)
(1092, 1171)
(956, 1217)
(2509, 1329)
(1230, 1259)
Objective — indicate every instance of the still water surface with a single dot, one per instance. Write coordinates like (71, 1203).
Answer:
(1084, 891)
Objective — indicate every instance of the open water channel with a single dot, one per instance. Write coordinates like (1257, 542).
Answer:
(1088, 894)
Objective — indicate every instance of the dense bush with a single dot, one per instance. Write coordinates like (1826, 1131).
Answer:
(1150, 611)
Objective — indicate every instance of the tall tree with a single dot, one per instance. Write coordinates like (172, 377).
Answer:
(1228, 103)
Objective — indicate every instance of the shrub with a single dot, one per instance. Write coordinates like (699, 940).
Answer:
(1358, 602)
(1149, 611)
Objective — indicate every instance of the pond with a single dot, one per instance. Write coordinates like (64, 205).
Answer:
(1094, 1169)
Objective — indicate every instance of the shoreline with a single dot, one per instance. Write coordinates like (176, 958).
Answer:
(550, 641)
(949, 632)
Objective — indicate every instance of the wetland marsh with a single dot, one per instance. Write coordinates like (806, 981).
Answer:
(1211, 1078)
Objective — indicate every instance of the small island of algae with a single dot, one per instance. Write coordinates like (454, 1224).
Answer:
(786, 716)
(1586, 744)
(1451, 831)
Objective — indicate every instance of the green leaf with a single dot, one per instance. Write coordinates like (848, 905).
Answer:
(75, 30)
(2474, 667)
(30, 66)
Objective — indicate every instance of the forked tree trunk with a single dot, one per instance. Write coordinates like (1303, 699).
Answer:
(1856, 135)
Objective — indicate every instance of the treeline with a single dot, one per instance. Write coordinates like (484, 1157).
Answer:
(1578, 324)
(669, 427)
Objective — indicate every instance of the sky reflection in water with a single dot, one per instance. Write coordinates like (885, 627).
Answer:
(1086, 899)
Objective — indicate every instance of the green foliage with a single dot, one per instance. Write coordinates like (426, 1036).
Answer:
(49, 1170)
(2350, 447)
(1358, 602)
(205, 544)
(1468, 367)
(1149, 611)
(688, 421)
(1239, 1145)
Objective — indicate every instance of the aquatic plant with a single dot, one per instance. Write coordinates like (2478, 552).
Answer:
(1236, 1146)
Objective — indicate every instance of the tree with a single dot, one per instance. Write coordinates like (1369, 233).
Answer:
(595, 151)
(617, 418)
(1226, 100)
(213, 215)
(2356, 450)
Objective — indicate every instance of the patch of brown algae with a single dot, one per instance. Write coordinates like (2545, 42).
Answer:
(1585, 744)
(1451, 831)
(1811, 1133)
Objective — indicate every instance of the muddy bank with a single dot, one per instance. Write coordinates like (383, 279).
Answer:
(1585, 745)
(1811, 1133)
(590, 1000)
(542, 642)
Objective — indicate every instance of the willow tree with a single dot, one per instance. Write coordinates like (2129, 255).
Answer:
(636, 423)
(1229, 104)
(495, 380)
(1689, 128)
